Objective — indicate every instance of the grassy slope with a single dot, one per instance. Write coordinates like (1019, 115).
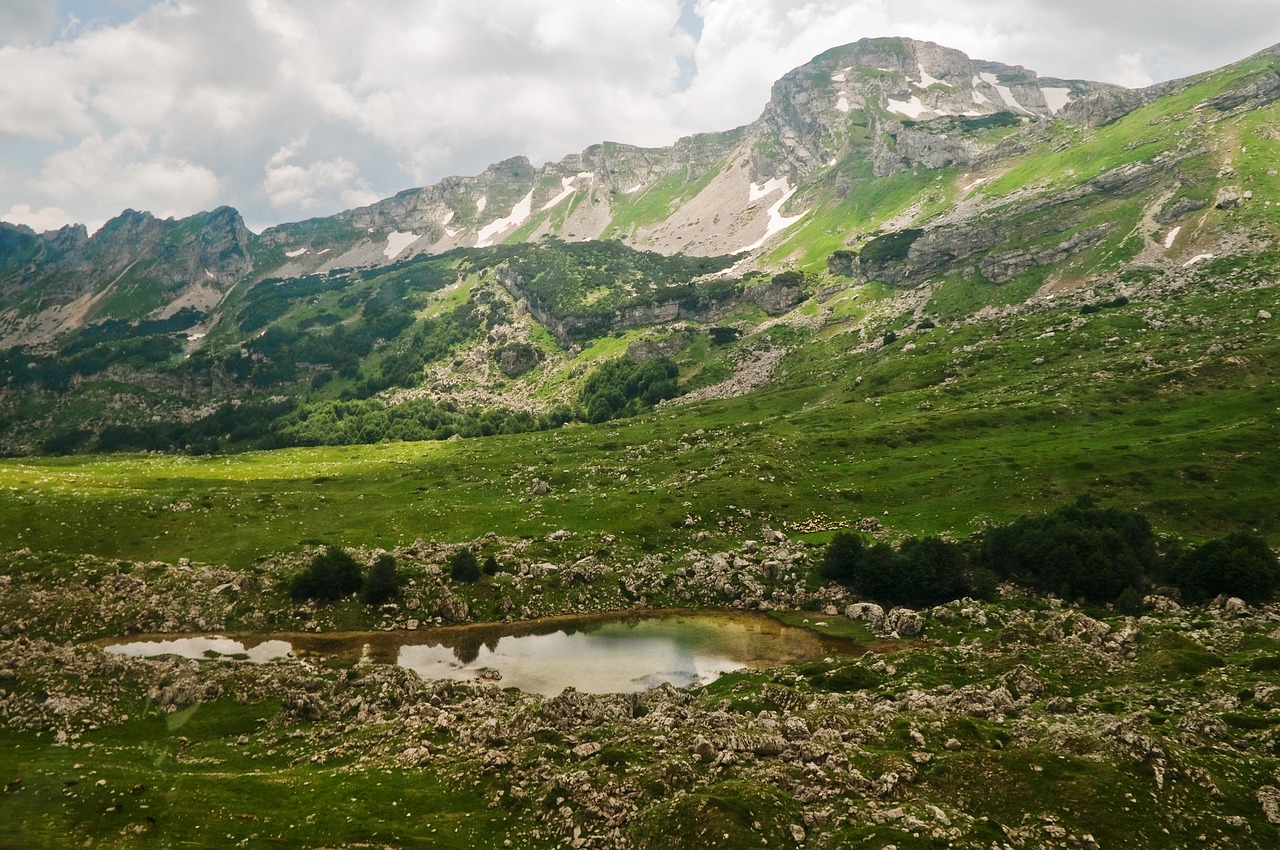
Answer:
(965, 425)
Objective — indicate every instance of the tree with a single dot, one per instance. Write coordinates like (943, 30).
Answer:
(491, 566)
(842, 561)
(1078, 551)
(921, 571)
(383, 582)
(1240, 565)
(331, 575)
(464, 567)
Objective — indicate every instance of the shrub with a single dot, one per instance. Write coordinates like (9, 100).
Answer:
(491, 566)
(1079, 551)
(623, 387)
(331, 575)
(1240, 565)
(464, 567)
(921, 571)
(383, 583)
(891, 246)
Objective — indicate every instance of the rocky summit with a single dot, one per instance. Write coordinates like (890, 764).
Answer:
(969, 375)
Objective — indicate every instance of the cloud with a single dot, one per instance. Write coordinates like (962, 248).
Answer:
(107, 174)
(303, 187)
(45, 218)
(27, 21)
(290, 108)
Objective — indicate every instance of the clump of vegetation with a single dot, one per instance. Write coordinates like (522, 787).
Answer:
(921, 571)
(623, 387)
(382, 584)
(331, 575)
(1240, 564)
(1077, 552)
(491, 566)
(890, 246)
(464, 567)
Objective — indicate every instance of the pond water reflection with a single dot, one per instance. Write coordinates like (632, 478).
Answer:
(599, 654)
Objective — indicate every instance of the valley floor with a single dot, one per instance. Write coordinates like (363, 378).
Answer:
(1018, 723)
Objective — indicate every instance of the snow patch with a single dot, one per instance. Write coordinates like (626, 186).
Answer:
(1172, 235)
(777, 184)
(295, 253)
(911, 108)
(1197, 258)
(325, 251)
(1056, 99)
(444, 222)
(633, 189)
(838, 78)
(925, 79)
(777, 221)
(586, 175)
(519, 215)
(397, 242)
(975, 183)
(1005, 94)
(842, 105)
(481, 204)
(566, 189)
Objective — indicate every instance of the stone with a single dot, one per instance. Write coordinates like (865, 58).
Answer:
(1269, 799)
(869, 612)
(904, 621)
(1228, 198)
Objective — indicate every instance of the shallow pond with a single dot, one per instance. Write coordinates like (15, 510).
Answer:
(598, 654)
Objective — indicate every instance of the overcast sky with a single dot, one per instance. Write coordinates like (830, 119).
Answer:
(287, 109)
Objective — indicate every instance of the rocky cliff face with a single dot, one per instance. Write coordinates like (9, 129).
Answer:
(867, 110)
(134, 267)
(877, 99)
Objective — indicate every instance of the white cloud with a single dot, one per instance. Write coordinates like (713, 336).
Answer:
(45, 218)
(26, 21)
(108, 174)
(192, 103)
(301, 187)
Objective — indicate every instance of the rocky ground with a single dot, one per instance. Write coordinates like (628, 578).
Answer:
(1017, 723)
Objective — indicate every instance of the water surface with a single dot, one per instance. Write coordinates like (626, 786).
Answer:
(598, 654)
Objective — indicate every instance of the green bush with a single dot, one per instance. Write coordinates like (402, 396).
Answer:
(491, 566)
(890, 246)
(1078, 552)
(922, 571)
(383, 582)
(464, 567)
(331, 575)
(623, 387)
(1240, 565)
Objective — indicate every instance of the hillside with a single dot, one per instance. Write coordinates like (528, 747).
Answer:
(970, 185)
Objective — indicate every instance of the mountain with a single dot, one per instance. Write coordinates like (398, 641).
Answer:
(979, 188)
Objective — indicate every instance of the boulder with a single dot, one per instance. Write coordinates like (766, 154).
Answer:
(904, 621)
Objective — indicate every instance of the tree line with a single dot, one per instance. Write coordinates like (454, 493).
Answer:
(1076, 552)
